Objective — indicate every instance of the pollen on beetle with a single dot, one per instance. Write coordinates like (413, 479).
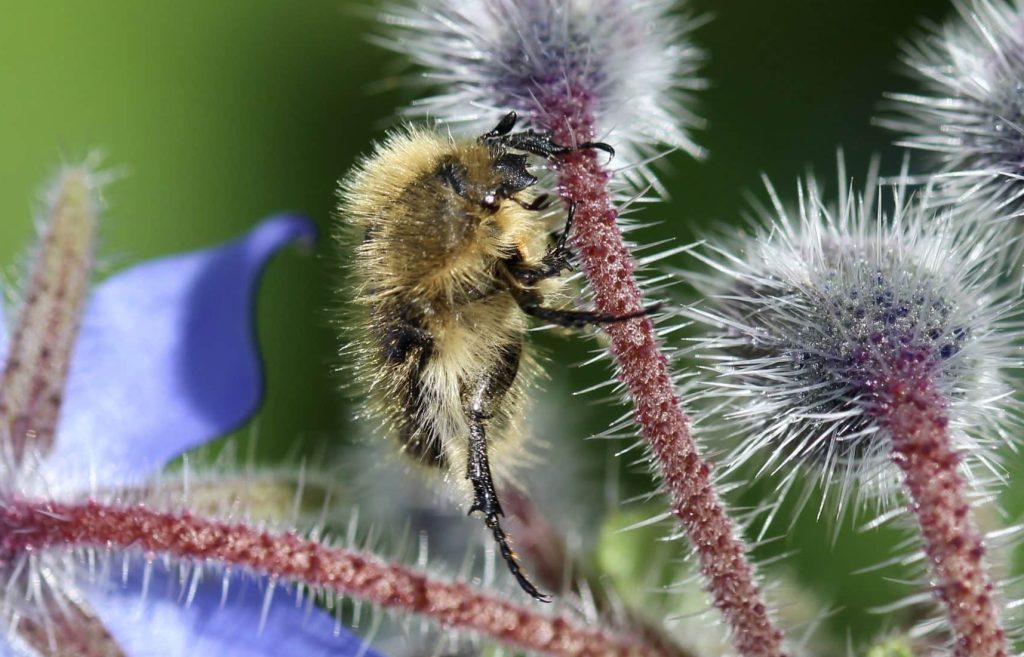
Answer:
(822, 308)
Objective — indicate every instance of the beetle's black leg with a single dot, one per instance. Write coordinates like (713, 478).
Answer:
(480, 400)
(561, 244)
(504, 127)
(581, 318)
(551, 265)
(531, 303)
(598, 145)
(485, 500)
(532, 141)
(555, 261)
(529, 141)
(542, 202)
(543, 144)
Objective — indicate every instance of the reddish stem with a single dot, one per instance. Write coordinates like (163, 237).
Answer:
(542, 547)
(34, 525)
(914, 413)
(609, 267)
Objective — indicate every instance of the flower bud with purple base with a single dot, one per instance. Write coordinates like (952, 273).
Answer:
(873, 348)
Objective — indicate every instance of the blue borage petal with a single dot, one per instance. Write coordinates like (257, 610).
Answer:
(165, 622)
(166, 360)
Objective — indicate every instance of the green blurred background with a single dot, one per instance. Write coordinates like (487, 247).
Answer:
(223, 112)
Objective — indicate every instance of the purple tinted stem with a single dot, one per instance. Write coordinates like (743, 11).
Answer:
(913, 411)
(34, 525)
(729, 576)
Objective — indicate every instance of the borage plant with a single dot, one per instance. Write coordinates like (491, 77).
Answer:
(866, 350)
(967, 116)
(867, 341)
(100, 389)
(932, 289)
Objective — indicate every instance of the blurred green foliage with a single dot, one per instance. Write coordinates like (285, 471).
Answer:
(222, 112)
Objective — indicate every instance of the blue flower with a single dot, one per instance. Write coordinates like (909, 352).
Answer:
(165, 359)
(172, 620)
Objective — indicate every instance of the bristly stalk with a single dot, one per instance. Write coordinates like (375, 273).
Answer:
(31, 525)
(730, 577)
(913, 411)
(545, 550)
(32, 383)
(621, 73)
(871, 351)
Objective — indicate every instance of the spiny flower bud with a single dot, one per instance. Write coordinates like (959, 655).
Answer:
(826, 304)
(630, 62)
(874, 347)
(969, 112)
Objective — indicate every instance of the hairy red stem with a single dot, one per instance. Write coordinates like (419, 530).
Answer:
(914, 413)
(34, 525)
(608, 265)
(542, 546)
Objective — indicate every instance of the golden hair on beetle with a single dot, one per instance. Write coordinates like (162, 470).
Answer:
(450, 258)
